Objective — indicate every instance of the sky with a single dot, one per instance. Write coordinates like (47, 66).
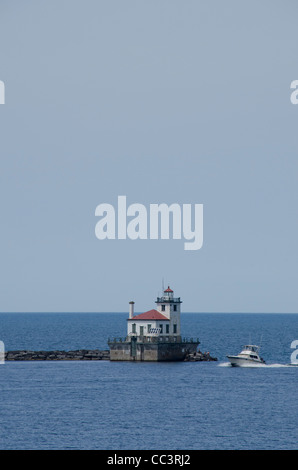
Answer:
(163, 102)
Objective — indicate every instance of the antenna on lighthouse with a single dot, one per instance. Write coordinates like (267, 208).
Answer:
(163, 285)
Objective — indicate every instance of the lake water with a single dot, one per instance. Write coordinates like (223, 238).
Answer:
(150, 406)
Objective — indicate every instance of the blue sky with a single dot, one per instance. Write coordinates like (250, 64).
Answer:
(164, 102)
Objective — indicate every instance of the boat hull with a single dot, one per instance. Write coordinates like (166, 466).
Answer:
(237, 361)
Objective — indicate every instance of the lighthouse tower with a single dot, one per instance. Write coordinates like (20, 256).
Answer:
(169, 306)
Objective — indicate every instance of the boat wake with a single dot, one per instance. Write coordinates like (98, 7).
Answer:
(250, 366)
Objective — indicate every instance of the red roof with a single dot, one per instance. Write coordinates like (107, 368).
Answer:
(150, 315)
(168, 289)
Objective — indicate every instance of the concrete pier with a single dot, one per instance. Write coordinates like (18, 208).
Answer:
(138, 349)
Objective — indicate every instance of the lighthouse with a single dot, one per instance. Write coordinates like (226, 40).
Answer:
(162, 322)
(169, 306)
(154, 335)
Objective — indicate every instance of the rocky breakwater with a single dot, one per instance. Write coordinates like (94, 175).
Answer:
(200, 356)
(77, 355)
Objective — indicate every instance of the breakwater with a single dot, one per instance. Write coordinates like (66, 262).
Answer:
(76, 355)
(200, 356)
(82, 355)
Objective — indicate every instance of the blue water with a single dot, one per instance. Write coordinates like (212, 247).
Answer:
(152, 406)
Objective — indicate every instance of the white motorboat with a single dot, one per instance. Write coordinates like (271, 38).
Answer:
(247, 357)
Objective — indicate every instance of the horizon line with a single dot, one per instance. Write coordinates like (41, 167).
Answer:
(126, 312)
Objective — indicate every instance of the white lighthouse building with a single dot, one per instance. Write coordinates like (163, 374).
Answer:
(154, 335)
(163, 322)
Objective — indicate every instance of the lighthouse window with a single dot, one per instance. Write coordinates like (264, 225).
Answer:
(175, 308)
(134, 328)
(167, 329)
(148, 328)
(174, 329)
(163, 308)
(161, 326)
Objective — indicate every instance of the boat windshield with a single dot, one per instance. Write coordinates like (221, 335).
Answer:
(251, 348)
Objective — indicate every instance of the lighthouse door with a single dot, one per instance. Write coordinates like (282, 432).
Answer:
(133, 347)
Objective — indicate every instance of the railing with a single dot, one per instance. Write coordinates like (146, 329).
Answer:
(117, 340)
(160, 338)
(168, 300)
(190, 340)
(155, 331)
